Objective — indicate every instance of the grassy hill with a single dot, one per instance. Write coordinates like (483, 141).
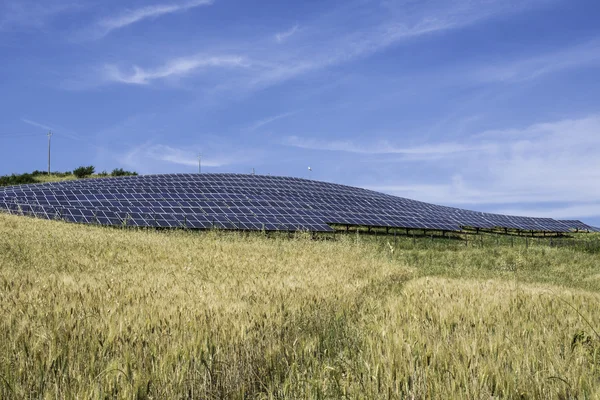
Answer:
(54, 178)
(43, 177)
(96, 312)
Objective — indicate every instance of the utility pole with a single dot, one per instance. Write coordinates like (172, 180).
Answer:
(199, 163)
(49, 140)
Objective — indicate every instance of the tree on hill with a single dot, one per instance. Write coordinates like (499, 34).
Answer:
(82, 172)
(121, 172)
(13, 179)
(39, 176)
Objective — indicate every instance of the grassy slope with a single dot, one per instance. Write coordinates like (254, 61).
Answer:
(54, 178)
(61, 178)
(100, 312)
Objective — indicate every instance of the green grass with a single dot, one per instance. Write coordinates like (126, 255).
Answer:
(53, 178)
(91, 312)
(60, 177)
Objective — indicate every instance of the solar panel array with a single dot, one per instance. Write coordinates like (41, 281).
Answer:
(578, 225)
(246, 202)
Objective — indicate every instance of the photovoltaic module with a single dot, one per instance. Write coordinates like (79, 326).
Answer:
(247, 202)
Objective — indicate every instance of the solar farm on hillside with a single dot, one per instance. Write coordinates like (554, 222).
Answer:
(250, 202)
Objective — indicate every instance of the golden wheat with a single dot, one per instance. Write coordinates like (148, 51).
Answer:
(90, 312)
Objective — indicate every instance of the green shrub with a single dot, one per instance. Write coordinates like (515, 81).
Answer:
(14, 179)
(121, 172)
(38, 176)
(82, 172)
(62, 174)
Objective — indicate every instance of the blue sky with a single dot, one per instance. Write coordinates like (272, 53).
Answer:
(491, 105)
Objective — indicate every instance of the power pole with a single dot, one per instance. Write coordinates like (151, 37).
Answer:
(199, 163)
(49, 140)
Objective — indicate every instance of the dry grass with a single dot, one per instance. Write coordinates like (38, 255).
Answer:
(93, 312)
(54, 178)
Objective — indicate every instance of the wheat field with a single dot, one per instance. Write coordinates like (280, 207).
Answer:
(91, 312)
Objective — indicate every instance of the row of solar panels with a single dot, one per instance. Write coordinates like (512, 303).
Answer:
(294, 219)
(249, 194)
(248, 201)
(237, 218)
(429, 221)
(165, 220)
(136, 203)
(255, 188)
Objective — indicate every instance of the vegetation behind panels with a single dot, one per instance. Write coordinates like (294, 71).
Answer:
(77, 173)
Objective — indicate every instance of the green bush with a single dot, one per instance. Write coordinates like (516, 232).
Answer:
(62, 174)
(121, 172)
(55, 173)
(14, 179)
(82, 172)
(36, 176)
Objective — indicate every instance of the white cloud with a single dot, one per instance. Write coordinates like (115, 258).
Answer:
(152, 157)
(384, 147)
(142, 156)
(541, 165)
(331, 47)
(457, 192)
(266, 121)
(576, 211)
(536, 67)
(180, 156)
(174, 68)
(27, 14)
(130, 17)
(283, 36)
(57, 130)
(330, 43)
(335, 50)
(36, 124)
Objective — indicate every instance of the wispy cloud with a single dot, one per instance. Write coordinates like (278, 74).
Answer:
(543, 165)
(27, 14)
(153, 157)
(174, 68)
(130, 17)
(327, 45)
(266, 121)
(329, 48)
(140, 156)
(385, 147)
(331, 51)
(582, 210)
(281, 37)
(535, 67)
(55, 130)
(180, 156)
(36, 124)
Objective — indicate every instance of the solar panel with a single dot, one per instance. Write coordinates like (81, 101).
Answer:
(246, 202)
(577, 225)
